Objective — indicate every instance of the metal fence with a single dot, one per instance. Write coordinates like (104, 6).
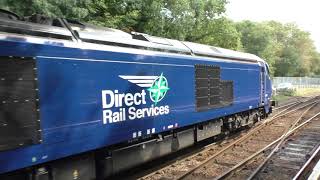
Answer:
(298, 82)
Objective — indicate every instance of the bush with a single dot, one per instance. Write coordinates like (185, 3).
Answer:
(286, 92)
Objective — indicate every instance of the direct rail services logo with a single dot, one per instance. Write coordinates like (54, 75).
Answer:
(125, 103)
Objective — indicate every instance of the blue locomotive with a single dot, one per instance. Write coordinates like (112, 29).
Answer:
(85, 102)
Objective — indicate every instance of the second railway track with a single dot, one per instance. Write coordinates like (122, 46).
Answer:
(217, 159)
(283, 157)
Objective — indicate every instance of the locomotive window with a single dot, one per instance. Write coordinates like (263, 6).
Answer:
(267, 67)
(211, 91)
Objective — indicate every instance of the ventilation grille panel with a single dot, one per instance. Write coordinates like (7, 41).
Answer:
(211, 91)
(19, 125)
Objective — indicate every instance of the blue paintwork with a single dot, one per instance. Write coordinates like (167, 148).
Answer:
(70, 96)
(268, 92)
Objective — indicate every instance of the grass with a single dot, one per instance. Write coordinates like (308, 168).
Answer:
(280, 97)
(307, 91)
(298, 92)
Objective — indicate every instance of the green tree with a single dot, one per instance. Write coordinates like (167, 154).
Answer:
(315, 64)
(121, 14)
(288, 50)
(190, 20)
(220, 32)
(72, 9)
(258, 39)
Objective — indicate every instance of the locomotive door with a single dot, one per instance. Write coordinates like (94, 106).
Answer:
(262, 83)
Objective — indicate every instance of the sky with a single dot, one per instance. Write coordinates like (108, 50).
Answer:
(304, 13)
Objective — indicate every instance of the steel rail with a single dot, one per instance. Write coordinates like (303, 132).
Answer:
(284, 136)
(280, 140)
(293, 130)
(297, 101)
(278, 115)
(290, 132)
(214, 143)
(305, 166)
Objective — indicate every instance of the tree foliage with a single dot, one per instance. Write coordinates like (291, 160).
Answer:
(288, 50)
(191, 20)
(73, 9)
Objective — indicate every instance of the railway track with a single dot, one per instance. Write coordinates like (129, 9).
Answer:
(284, 156)
(311, 168)
(297, 100)
(215, 159)
(293, 101)
(290, 155)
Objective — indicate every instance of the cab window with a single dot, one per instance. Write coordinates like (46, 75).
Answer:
(267, 67)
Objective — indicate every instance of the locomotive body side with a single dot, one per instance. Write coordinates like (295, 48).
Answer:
(62, 98)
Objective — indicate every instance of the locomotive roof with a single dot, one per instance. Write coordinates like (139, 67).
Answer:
(38, 25)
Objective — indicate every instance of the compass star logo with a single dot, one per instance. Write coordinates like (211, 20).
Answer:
(158, 89)
(156, 85)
